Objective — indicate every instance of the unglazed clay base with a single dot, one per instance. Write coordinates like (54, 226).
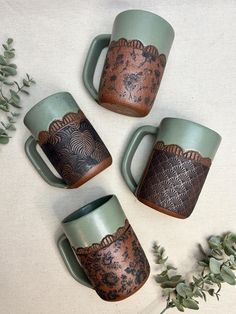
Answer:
(126, 109)
(161, 209)
(92, 173)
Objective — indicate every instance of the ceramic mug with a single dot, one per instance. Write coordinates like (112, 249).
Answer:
(177, 168)
(138, 49)
(101, 250)
(67, 138)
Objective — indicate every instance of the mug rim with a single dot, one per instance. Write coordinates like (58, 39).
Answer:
(41, 102)
(195, 123)
(87, 209)
(149, 13)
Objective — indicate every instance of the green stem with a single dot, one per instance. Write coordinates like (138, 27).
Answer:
(166, 308)
(10, 99)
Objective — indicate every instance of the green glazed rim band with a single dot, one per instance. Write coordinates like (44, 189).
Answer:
(148, 27)
(51, 108)
(189, 135)
(94, 221)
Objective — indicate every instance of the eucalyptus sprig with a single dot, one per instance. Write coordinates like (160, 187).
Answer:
(10, 89)
(216, 267)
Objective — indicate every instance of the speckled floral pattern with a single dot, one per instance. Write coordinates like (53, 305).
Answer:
(118, 266)
(132, 74)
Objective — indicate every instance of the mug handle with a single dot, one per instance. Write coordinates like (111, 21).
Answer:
(130, 151)
(40, 165)
(95, 49)
(71, 262)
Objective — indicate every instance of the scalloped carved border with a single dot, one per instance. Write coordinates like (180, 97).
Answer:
(106, 241)
(56, 125)
(137, 44)
(178, 151)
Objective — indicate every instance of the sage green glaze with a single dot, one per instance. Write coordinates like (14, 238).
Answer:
(145, 26)
(96, 47)
(51, 108)
(40, 165)
(130, 151)
(86, 226)
(91, 223)
(71, 262)
(184, 133)
(189, 136)
(38, 119)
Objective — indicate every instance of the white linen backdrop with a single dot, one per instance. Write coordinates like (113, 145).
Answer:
(51, 40)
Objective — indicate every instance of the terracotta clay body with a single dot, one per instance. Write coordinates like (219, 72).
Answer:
(74, 149)
(131, 77)
(117, 267)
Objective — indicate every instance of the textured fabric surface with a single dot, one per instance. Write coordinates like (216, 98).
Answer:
(51, 40)
(173, 182)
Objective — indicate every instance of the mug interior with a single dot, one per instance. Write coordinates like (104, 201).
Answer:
(85, 210)
(94, 221)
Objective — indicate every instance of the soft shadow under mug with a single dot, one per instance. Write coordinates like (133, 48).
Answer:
(138, 49)
(68, 140)
(101, 250)
(177, 168)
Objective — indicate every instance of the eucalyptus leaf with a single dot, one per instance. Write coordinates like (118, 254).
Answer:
(15, 114)
(8, 83)
(15, 96)
(169, 284)
(230, 237)
(12, 127)
(228, 249)
(178, 305)
(228, 275)
(175, 278)
(169, 267)
(2, 132)
(9, 41)
(9, 70)
(218, 265)
(2, 60)
(214, 242)
(25, 92)
(197, 293)
(15, 104)
(160, 278)
(9, 54)
(4, 108)
(26, 83)
(211, 292)
(10, 119)
(4, 139)
(214, 266)
(12, 65)
(184, 290)
(202, 263)
(190, 304)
